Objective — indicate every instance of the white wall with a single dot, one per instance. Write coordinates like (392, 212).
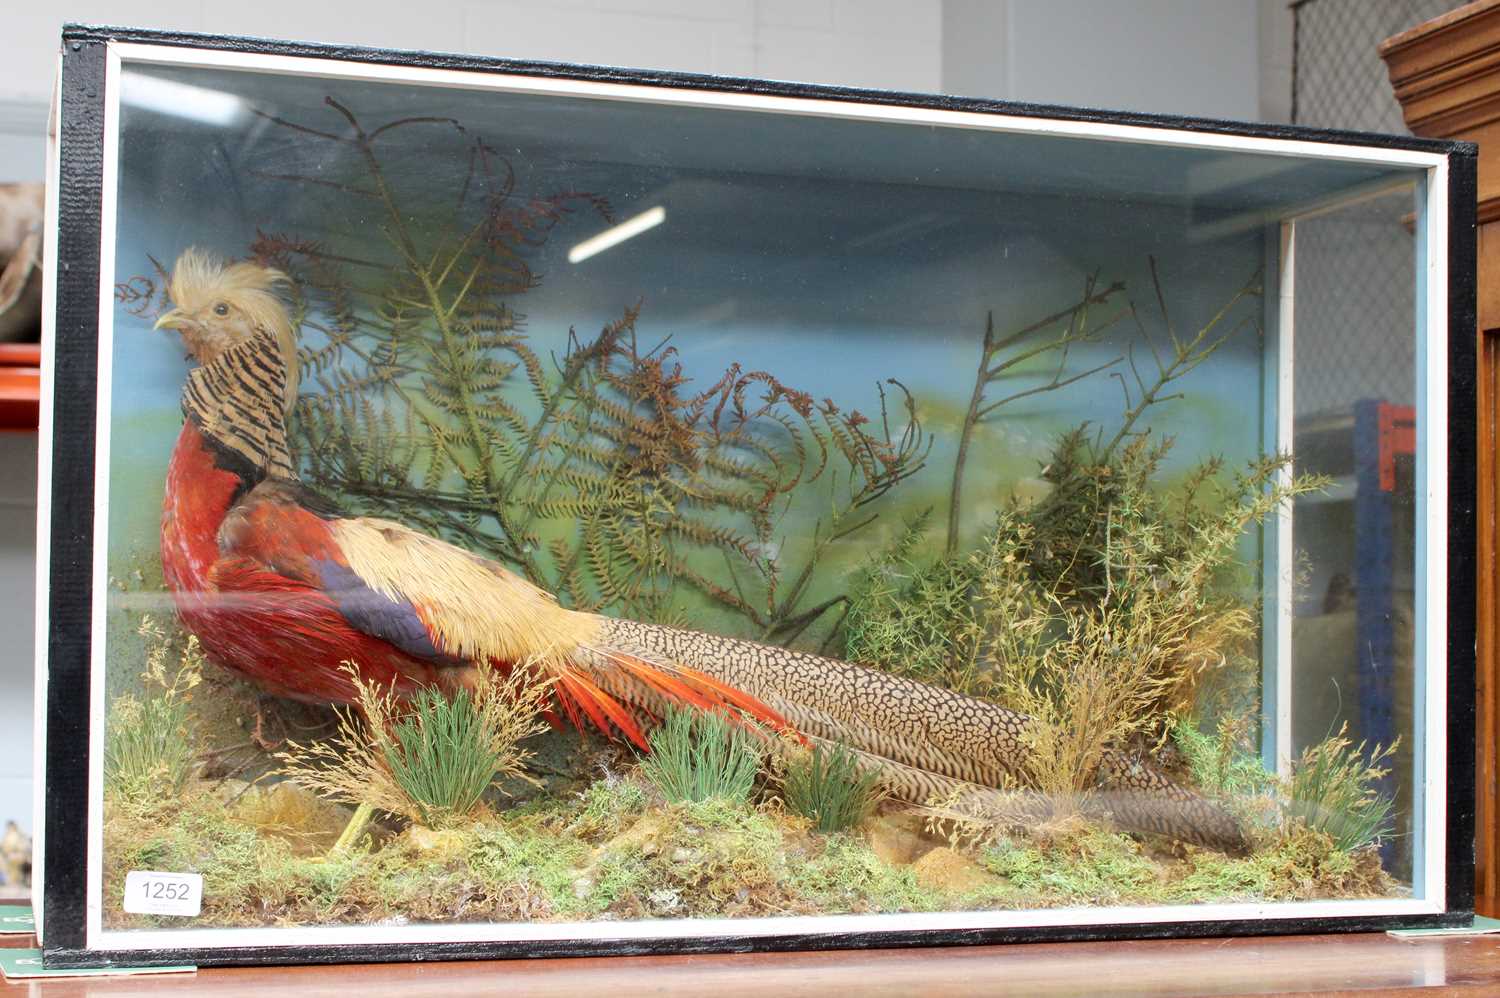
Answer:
(889, 43)
(1182, 56)
(23, 122)
(1194, 57)
(1199, 57)
(895, 44)
(1276, 58)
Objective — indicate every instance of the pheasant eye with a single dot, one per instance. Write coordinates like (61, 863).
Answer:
(221, 309)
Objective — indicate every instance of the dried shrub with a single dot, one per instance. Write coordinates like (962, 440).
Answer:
(1134, 593)
(1101, 612)
(1222, 763)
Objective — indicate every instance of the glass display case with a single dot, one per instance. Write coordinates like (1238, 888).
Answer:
(499, 508)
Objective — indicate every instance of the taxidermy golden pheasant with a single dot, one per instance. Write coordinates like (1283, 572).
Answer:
(281, 587)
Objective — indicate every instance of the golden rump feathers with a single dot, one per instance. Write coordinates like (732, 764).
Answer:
(475, 609)
(218, 304)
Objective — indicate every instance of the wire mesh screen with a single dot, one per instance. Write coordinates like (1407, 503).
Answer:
(1356, 301)
(1360, 262)
(1338, 78)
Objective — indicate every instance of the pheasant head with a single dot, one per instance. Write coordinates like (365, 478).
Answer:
(218, 305)
(239, 331)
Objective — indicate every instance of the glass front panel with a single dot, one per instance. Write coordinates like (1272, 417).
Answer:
(535, 508)
(1354, 630)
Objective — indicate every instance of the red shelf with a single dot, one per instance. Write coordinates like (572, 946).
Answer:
(20, 385)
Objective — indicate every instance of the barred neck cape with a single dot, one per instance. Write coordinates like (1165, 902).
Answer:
(236, 401)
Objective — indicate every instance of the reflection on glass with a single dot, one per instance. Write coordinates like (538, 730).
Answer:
(1353, 637)
(527, 508)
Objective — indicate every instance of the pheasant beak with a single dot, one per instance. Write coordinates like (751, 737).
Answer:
(171, 319)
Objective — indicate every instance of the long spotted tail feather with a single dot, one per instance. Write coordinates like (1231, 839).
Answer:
(928, 743)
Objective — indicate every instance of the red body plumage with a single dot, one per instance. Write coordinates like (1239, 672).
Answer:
(278, 629)
(263, 583)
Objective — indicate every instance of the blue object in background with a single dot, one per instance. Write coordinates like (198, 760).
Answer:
(1374, 574)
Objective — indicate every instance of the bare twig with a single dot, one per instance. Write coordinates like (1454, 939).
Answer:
(1077, 330)
(1186, 356)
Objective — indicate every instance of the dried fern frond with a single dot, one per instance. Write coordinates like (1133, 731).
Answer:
(605, 475)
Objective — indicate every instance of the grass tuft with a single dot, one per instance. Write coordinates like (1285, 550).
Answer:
(697, 755)
(1335, 790)
(443, 755)
(430, 758)
(828, 787)
(147, 752)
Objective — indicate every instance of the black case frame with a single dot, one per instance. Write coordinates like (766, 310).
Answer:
(69, 595)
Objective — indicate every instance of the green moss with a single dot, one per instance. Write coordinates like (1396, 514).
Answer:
(1022, 866)
(846, 876)
(235, 862)
(1225, 879)
(720, 813)
(1102, 867)
(619, 874)
(153, 854)
(719, 858)
(1098, 866)
(1304, 864)
(608, 806)
(612, 852)
(526, 858)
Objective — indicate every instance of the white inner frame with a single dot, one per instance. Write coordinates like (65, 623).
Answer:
(44, 509)
(1277, 557)
(1432, 514)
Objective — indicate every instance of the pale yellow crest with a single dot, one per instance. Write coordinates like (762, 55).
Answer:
(202, 279)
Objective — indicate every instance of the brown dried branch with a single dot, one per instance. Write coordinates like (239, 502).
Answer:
(1077, 330)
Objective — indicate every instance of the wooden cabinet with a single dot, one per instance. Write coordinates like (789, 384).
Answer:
(1447, 77)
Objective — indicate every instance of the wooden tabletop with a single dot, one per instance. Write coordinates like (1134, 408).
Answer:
(1363, 965)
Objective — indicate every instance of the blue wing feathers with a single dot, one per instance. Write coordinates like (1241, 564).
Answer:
(375, 613)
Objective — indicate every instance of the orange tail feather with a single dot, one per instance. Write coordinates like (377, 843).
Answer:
(575, 691)
(595, 700)
(698, 690)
